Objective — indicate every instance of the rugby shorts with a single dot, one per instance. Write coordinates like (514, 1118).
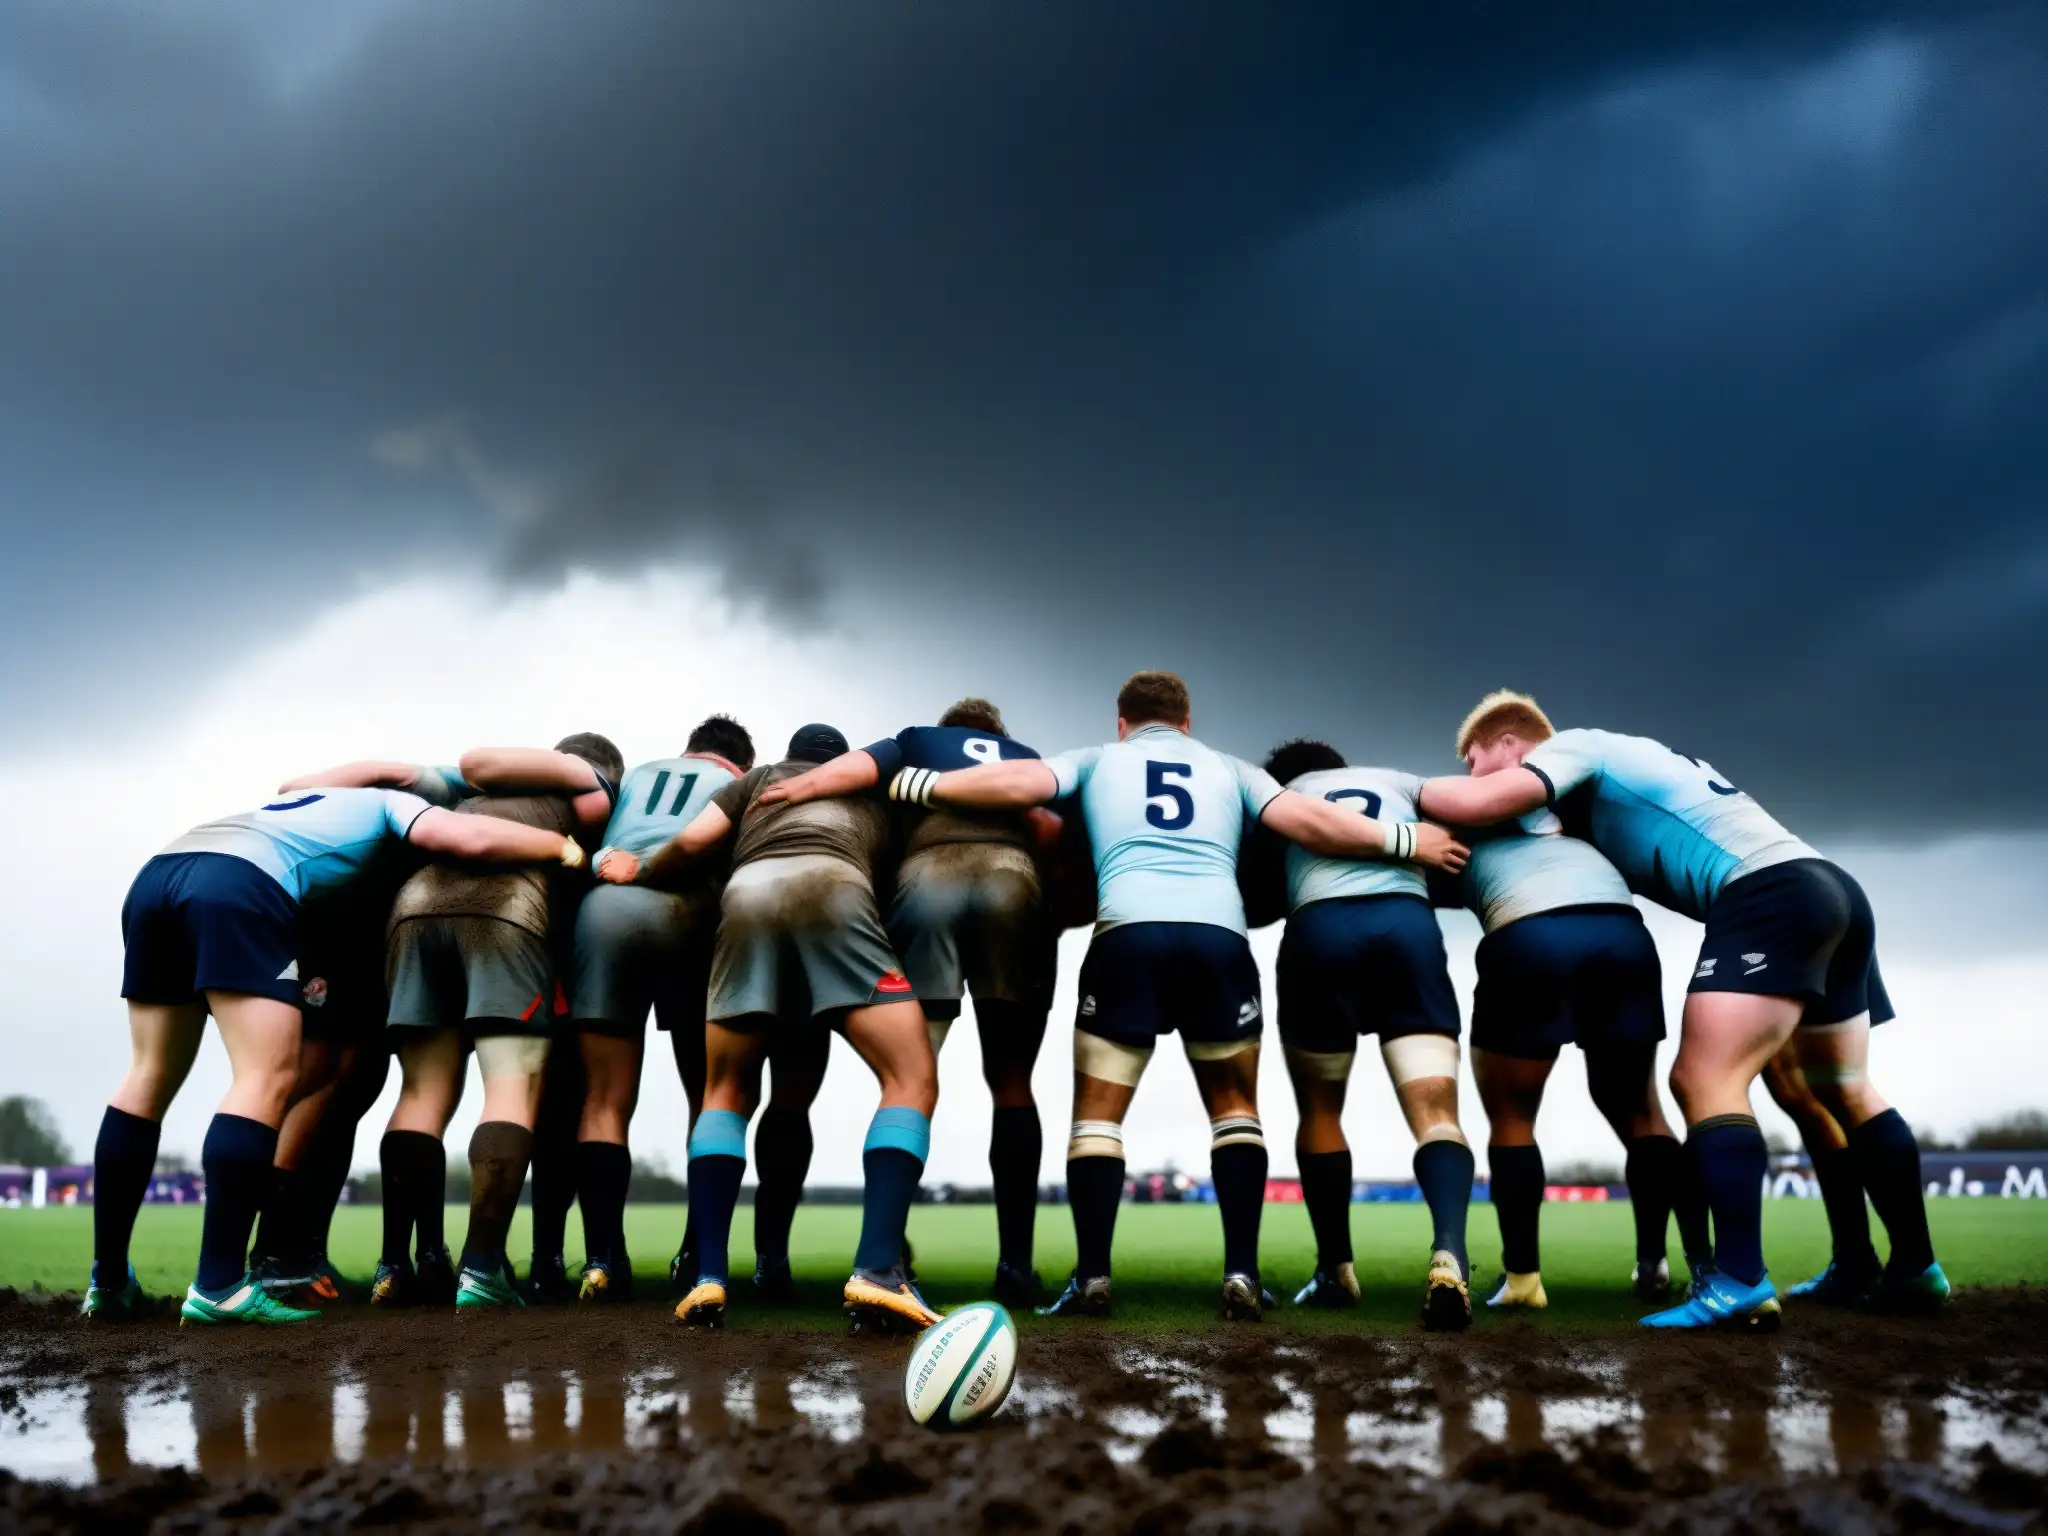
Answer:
(341, 976)
(198, 922)
(480, 974)
(1585, 976)
(1143, 980)
(1363, 965)
(1802, 929)
(969, 916)
(639, 949)
(800, 936)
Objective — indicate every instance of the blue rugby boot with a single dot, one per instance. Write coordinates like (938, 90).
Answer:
(1718, 1300)
(1834, 1287)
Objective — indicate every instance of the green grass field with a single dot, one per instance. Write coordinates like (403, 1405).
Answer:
(1167, 1257)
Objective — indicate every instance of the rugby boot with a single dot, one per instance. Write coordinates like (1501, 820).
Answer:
(1925, 1292)
(479, 1290)
(113, 1303)
(1330, 1289)
(244, 1302)
(1519, 1292)
(604, 1281)
(704, 1307)
(1081, 1298)
(1834, 1287)
(886, 1301)
(393, 1284)
(435, 1269)
(1721, 1301)
(1446, 1298)
(307, 1282)
(1017, 1287)
(548, 1283)
(682, 1270)
(772, 1280)
(1651, 1282)
(909, 1262)
(1243, 1299)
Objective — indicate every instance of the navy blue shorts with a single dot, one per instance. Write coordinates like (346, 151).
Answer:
(1363, 965)
(1802, 930)
(1585, 976)
(1143, 980)
(341, 968)
(200, 922)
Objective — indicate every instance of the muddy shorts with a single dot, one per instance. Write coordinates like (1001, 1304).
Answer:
(197, 922)
(638, 948)
(1143, 980)
(1363, 965)
(798, 937)
(1802, 929)
(471, 972)
(969, 916)
(1585, 976)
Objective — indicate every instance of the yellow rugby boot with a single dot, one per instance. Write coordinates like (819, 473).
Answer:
(704, 1307)
(1519, 1291)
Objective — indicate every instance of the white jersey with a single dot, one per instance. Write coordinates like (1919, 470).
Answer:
(1382, 794)
(1537, 868)
(311, 842)
(1165, 815)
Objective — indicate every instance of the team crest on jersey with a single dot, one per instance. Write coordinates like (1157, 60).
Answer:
(314, 992)
(1248, 1011)
(895, 983)
(1706, 969)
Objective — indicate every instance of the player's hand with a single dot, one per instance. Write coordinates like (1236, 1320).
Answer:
(1438, 849)
(618, 867)
(1045, 827)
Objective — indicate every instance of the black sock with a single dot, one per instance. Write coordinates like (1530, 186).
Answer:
(1095, 1187)
(1326, 1191)
(236, 1160)
(415, 1167)
(1841, 1192)
(1732, 1157)
(1444, 1170)
(1888, 1161)
(604, 1169)
(1653, 1170)
(277, 1223)
(499, 1152)
(122, 1160)
(1689, 1207)
(782, 1161)
(1016, 1143)
(554, 1158)
(1238, 1170)
(333, 1155)
(1517, 1188)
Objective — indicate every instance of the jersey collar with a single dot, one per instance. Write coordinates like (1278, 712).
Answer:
(726, 763)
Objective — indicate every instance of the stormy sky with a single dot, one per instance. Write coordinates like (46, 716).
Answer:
(1687, 366)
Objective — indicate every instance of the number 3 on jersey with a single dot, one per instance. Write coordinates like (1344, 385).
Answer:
(1179, 810)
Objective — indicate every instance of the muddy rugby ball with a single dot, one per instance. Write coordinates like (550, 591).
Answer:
(961, 1367)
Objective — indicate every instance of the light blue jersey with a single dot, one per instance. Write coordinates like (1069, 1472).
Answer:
(658, 799)
(1165, 815)
(1676, 830)
(1537, 868)
(313, 841)
(1382, 794)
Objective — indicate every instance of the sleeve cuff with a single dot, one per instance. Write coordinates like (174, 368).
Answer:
(1549, 789)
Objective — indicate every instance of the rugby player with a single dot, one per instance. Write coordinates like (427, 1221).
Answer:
(969, 914)
(470, 964)
(1363, 955)
(801, 943)
(209, 927)
(1164, 816)
(1853, 1267)
(1787, 957)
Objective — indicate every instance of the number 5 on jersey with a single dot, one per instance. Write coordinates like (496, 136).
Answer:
(1179, 810)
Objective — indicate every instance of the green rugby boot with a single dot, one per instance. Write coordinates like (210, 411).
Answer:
(243, 1302)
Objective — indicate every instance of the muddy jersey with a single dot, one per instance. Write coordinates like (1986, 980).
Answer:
(1676, 830)
(943, 748)
(313, 841)
(658, 799)
(450, 888)
(855, 829)
(1532, 866)
(1381, 794)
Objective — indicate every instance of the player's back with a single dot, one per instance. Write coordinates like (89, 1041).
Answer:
(1676, 830)
(1536, 867)
(312, 841)
(854, 828)
(941, 749)
(1165, 815)
(1384, 794)
(450, 888)
(658, 799)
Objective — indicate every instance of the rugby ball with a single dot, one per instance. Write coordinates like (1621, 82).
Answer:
(961, 1367)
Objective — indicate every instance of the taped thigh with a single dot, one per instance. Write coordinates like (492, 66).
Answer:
(1110, 1061)
(1409, 1057)
(1322, 1066)
(512, 1055)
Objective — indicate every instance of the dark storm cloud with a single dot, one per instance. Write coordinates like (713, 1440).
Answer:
(1685, 365)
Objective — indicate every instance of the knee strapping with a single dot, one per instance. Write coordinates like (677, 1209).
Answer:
(1448, 1131)
(1096, 1138)
(1219, 1050)
(1110, 1061)
(1324, 1066)
(512, 1055)
(1236, 1131)
(1417, 1056)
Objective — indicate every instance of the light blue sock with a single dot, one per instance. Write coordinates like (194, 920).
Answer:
(893, 1157)
(718, 1161)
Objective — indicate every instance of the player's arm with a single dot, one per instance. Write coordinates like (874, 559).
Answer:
(490, 840)
(1322, 828)
(1478, 802)
(540, 771)
(1013, 785)
(369, 773)
(673, 859)
(847, 774)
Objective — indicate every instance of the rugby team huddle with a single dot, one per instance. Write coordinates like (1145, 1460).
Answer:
(386, 909)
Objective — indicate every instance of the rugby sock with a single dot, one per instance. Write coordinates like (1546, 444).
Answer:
(1095, 1188)
(604, 1169)
(499, 1151)
(122, 1160)
(718, 1160)
(1888, 1159)
(1732, 1157)
(235, 1160)
(1444, 1170)
(1653, 1169)
(1326, 1191)
(1237, 1168)
(1841, 1192)
(415, 1168)
(1689, 1205)
(782, 1160)
(1016, 1145)
(1516, 1183)
(334, 1157)
(283, 1206)
(898, 1142)
(554, 1154)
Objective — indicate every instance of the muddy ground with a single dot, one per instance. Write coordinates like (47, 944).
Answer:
(616, 1420)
